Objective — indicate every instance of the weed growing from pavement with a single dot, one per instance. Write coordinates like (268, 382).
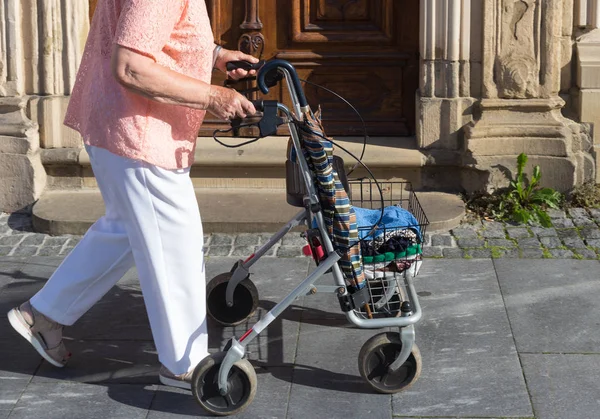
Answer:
(524, 201)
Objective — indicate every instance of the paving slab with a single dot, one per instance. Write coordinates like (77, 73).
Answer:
(270, 400)
(16, 292)
(552, 304)
(275, 346)
(119, 315)
(326, 376)
(120, 362)
(9, 271)
(30, 277)
(76, 401)
(464, 332)
(316, 402)
(563, 386)
(40, 267)
(274, 279)
(10, 392)
(18, 361)
(5, 250)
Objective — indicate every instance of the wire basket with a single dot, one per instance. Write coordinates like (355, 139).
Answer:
(389, 254)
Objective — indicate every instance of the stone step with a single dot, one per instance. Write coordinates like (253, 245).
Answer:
(231, 210)
(257, 165)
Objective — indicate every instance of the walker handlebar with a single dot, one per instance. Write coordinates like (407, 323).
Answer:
(258, 105)
(246, 65)
(270, 72)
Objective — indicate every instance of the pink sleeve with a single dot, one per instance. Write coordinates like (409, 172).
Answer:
(146, 25)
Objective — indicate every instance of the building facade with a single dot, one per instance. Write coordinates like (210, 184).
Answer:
(466, 85)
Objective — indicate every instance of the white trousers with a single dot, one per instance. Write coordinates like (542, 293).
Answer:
(152, 220)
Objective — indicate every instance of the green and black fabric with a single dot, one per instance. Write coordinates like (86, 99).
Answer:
(339, 215)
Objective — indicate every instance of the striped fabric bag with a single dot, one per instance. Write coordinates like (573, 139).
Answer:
(338, 213)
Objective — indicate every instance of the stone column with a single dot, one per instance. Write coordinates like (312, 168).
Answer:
(22, 177)
(520, 109)
(40, 45)
(57, 47)
(448, 30)
(587, 22)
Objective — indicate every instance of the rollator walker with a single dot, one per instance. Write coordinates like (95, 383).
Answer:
(225, 383)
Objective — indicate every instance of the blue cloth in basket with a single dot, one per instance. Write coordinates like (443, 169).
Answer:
(394, 218)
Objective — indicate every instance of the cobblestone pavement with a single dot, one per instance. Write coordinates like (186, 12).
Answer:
(575, 235)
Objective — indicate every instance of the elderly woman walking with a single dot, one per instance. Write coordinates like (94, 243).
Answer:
(141, 94)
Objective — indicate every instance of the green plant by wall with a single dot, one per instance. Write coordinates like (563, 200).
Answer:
(524, 201)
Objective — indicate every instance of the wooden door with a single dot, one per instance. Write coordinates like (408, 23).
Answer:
(92, 7)
(365, 50)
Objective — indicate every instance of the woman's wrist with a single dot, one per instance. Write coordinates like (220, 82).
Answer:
(216, 52)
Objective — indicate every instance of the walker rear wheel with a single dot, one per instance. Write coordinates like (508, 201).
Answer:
(245, 300)
(241, 384)
(378, 353)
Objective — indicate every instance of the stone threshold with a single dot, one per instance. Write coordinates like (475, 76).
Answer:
(232, 210)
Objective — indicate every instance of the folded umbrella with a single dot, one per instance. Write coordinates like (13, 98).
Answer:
(339, 215)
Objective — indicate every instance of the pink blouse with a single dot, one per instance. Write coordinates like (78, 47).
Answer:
(176, 34)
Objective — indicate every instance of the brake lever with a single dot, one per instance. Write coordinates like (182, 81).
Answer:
(269, 120)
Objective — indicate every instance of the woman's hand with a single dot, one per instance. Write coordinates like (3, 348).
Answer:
(226, 55)
(228, 104)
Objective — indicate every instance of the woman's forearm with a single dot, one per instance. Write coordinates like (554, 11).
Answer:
(144, 76)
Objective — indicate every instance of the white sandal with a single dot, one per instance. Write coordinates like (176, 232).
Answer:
(44, 334)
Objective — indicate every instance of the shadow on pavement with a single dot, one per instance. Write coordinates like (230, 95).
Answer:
(112, 346)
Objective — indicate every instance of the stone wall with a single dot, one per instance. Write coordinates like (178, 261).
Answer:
(527, 44)
(41, 43)
(587, 91)
(450, 70)
(497, 79)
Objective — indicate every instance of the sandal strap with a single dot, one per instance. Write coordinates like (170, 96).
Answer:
(59, 352)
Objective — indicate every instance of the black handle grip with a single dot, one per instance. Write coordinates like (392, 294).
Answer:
(245, 65)
(258, 105)
(274, 65)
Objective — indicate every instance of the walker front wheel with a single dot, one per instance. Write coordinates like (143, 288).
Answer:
(241, 386)
(378, 353)
(245, 300)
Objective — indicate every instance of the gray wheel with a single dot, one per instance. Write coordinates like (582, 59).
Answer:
(378, 353)
(241, 386)
(245, 300)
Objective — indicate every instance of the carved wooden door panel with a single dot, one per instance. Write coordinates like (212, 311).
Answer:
(365, 50)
